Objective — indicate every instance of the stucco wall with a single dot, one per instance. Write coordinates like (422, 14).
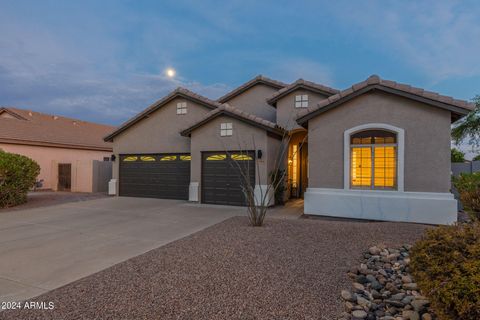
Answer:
(207, 138)
(48, 158)
(254, 101)
(427, 140)
(160, 132)
(286, 111)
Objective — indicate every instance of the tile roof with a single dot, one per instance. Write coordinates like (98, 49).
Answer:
(35, 128)
(178, 92)
(299, 84)
(238, 114)
(458, 108)
(247, 85)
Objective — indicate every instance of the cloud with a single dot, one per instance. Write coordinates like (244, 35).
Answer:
(290, 70)
(440, 38)
(44, 70)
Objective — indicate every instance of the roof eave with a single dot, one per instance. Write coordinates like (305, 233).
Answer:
(188, 132)
(241, 89)
(152, 108)
(273, 100)
(455, 110)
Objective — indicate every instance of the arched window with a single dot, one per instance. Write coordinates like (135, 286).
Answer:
(373, 160)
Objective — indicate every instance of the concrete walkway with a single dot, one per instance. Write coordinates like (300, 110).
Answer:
(45, 248)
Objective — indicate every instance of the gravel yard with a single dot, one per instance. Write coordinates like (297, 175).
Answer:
(289, 269)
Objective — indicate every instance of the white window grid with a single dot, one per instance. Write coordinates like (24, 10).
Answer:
(182, 108)
(226, 129)
(301, 101)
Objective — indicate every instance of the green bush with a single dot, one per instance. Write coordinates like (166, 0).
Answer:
(468, 186)
(476, 158)
(17, 175)
(446, 265)
(457, 155)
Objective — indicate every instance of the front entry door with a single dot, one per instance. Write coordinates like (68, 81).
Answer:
(64, 176)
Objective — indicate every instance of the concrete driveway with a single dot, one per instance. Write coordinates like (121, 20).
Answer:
(45, 248)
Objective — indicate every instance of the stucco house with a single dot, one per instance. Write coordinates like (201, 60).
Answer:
(377, 150)
(64, 148)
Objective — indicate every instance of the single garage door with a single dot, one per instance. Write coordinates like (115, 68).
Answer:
(222, 179)
(165, 176)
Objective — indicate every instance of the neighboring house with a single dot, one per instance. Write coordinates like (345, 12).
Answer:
(64, 148)
(378, 150)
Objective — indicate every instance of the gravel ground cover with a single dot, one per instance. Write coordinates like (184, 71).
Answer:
(288, 269)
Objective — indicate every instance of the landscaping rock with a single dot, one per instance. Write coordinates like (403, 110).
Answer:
(384, 289)
(359, 314)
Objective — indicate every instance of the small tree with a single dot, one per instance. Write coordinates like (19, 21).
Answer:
(469, 127)
(457, 155)
(476, 158)
(258, 204)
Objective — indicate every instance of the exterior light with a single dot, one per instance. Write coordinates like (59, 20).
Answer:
(259, 154)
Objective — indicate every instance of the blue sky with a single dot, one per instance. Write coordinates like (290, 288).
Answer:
(104, 60)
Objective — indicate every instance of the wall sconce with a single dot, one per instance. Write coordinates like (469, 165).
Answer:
(113, 157)
(259, 154)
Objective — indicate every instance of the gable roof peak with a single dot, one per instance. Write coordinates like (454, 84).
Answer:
(301, 83)
(373, 79)
(259, 79)
(458, 108)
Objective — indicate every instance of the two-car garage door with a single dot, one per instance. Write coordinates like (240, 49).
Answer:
(165, 176)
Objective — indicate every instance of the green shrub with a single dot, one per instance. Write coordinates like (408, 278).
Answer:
(17, 175)
(457, 155)
(446, 265)
(476, 158)
(468, 186)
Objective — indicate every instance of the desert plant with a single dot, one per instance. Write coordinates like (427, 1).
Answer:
(457, 155)
(277, 177)
(468, 186)
(469, 127)
(446, 265)
(17, 175)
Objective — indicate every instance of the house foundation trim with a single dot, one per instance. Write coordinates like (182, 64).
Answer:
(419, 207)
(193, 191)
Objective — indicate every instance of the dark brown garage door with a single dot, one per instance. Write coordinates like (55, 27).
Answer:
(165, 176)
(222, 179)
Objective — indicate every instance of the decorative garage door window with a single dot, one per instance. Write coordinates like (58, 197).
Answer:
(130, 158)
(168, 158)
(185, 158)
(241, 157)
(147, 158)
(217, 157)
(373, 160)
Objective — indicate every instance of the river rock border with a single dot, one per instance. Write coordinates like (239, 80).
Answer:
(383, 288)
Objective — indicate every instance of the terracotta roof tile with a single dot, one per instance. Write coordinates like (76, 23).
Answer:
(301, 83)
(39, 128)
(182, 92)
(260, 79)
(242, 115)
(375, 80)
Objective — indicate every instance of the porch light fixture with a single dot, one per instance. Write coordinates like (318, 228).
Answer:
(113, 157)
(259, 154)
